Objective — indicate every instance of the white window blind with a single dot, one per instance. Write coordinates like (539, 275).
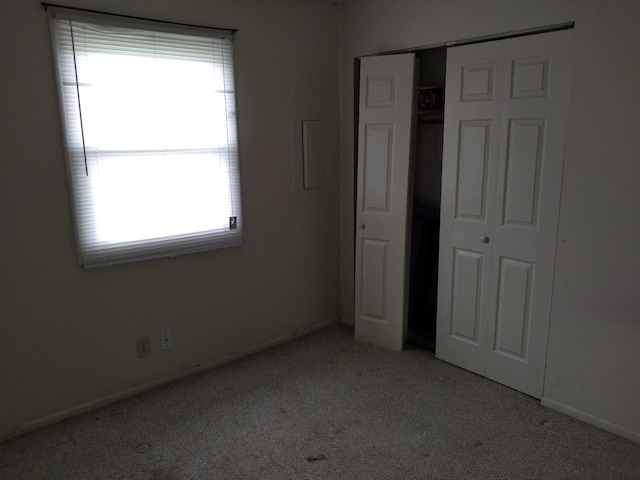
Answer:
(150, 124)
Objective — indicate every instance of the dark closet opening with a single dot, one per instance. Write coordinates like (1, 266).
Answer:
(427, 180)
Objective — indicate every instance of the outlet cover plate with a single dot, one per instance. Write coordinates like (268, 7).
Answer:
(166, 340)
(143, 346)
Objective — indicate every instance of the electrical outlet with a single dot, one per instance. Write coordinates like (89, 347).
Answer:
(143, 346)
(166, 340)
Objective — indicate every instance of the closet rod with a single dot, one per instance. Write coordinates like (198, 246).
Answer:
(486, 38)
(514, 34)
(46, 6)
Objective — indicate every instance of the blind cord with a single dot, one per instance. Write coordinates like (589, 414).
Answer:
(75, 69)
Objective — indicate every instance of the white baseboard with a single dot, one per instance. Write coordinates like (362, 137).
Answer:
(591, 419)
(129, 392)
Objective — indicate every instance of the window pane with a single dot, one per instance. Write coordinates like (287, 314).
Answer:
(154, 195)
(131, 103)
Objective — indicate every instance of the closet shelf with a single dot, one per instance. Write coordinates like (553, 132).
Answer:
(431, 116)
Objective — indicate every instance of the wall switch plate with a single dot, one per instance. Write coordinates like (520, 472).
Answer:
(166, 340)
(143, 346)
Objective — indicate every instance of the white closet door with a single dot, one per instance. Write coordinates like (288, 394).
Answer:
(533, 122)
(467, 216)
(384, 159)
(502, 258)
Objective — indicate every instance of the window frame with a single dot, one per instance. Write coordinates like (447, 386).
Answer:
(163, 246)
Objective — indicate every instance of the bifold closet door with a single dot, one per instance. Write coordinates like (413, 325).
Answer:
(384, 159)
(505, 116)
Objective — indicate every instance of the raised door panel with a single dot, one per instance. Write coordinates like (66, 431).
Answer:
(378, 157)
(530, 77)
(467, 285)
(477, 82)
(473, 166)
(373, 285)
(462, 317)
(513, 312)
(523, 163)
(380, 91)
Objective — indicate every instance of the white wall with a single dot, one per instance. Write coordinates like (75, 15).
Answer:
(593, 364)
(67, 334)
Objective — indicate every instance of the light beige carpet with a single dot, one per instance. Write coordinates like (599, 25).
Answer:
(323, 406)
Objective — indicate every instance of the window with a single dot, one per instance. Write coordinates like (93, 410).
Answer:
(150, 123)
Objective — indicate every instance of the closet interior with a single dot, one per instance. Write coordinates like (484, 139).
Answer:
(427, 179)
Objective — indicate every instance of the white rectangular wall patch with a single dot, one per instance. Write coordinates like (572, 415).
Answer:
(312, 154)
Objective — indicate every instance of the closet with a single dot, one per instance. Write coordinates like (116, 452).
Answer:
(492, 177)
